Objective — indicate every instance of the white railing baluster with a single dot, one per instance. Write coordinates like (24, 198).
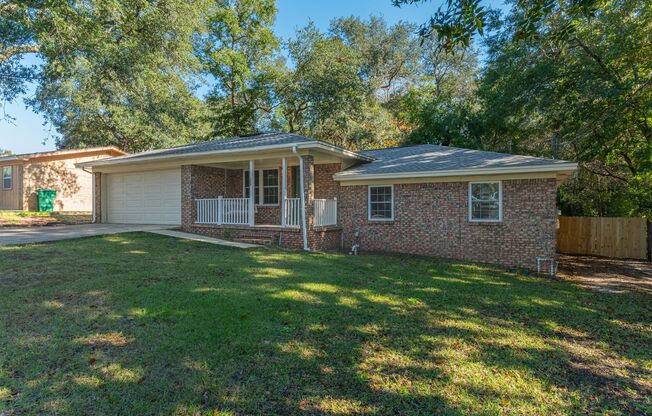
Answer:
(222, 210)
(325, 212)
(292, 207)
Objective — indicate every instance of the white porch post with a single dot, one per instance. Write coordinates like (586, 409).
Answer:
(252, 192)
(304, 224)
(284, 191)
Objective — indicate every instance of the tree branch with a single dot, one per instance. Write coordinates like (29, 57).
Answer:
(17, 50)
(7, 7)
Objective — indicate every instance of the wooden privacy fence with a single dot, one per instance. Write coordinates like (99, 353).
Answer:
(625, 238)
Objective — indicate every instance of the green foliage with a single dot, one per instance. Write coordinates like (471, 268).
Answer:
(239, 44)
(16, 39)
(325, 94)
(118, 72)
(457, 22)
(441, 107)
(588, 99)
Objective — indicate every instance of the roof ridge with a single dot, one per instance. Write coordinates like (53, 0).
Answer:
(458, 148)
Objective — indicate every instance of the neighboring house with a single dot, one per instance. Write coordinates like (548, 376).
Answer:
(430, 200)
(23, 175)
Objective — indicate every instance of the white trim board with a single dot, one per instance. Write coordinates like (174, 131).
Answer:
(345, 176)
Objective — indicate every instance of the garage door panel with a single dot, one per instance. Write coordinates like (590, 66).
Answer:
(144, 197)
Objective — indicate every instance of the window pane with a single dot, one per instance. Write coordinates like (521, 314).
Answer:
(485, 211)
(296, 182)
(6, 177)
(256, 188)
(485, 191)
(270, 177)
(485, 201)
(270, 186)
(380, 202)
(270, 195)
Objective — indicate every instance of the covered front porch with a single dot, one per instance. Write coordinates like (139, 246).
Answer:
(293, 201)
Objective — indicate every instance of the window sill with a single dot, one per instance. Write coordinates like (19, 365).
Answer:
(381, 222)
(486, 223)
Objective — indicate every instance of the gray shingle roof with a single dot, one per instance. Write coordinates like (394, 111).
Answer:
(230, 143)
(432, 158)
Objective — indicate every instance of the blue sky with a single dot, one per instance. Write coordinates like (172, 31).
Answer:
(28, 133)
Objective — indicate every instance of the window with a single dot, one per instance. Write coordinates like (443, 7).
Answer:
(381, 203)
(268, 193)
(485, 201)
(7, 177)
(270, 186)
(296, 182)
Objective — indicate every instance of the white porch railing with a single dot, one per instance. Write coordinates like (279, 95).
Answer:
(325, 212)
(232, 211)
(292, 211)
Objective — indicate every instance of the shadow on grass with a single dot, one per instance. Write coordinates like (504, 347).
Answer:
(142, 324)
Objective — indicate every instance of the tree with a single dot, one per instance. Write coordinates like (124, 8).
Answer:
(389, 55)
(16, 40)
(115, 71)
(587, 98)
(239, 44)
(460, 20)
(440, 107)
(326, 95)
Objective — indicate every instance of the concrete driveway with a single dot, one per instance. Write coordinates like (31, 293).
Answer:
(26, 235)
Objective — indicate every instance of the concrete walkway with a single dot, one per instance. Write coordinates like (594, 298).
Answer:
(203, 239)
(27, 235)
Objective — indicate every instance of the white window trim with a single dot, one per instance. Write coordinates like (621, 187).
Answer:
(10, 177)
(369, 203)
(500, 202)
(261, 187)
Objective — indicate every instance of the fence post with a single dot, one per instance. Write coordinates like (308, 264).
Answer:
(649, 240)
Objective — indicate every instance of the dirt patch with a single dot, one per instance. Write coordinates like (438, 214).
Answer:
(41, 219)
(607, 275)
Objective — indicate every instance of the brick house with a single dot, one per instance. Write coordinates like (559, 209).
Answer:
(24, 174)
(429, 200)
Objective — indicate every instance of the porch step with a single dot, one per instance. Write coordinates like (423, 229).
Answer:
(264, 241)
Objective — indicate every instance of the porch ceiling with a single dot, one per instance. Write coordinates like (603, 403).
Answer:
(271, 162)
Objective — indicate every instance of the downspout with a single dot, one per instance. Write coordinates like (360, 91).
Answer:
(303, 200)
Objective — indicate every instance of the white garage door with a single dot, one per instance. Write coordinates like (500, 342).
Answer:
(144, 197)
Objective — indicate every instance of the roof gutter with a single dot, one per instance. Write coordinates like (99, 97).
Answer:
(352, 176)
(311, 145)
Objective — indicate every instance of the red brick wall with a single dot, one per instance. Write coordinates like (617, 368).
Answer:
(289, 237)
(325, 186)
(432, 219)
(203, 182)
(234, 183)
(325, 239)
(268, 215)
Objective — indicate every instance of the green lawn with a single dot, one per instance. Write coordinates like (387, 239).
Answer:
(137, 324)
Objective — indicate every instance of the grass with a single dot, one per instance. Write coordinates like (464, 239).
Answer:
(143, 324)
(34, 218)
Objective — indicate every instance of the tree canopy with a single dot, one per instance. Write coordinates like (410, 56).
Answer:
(554, 79)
